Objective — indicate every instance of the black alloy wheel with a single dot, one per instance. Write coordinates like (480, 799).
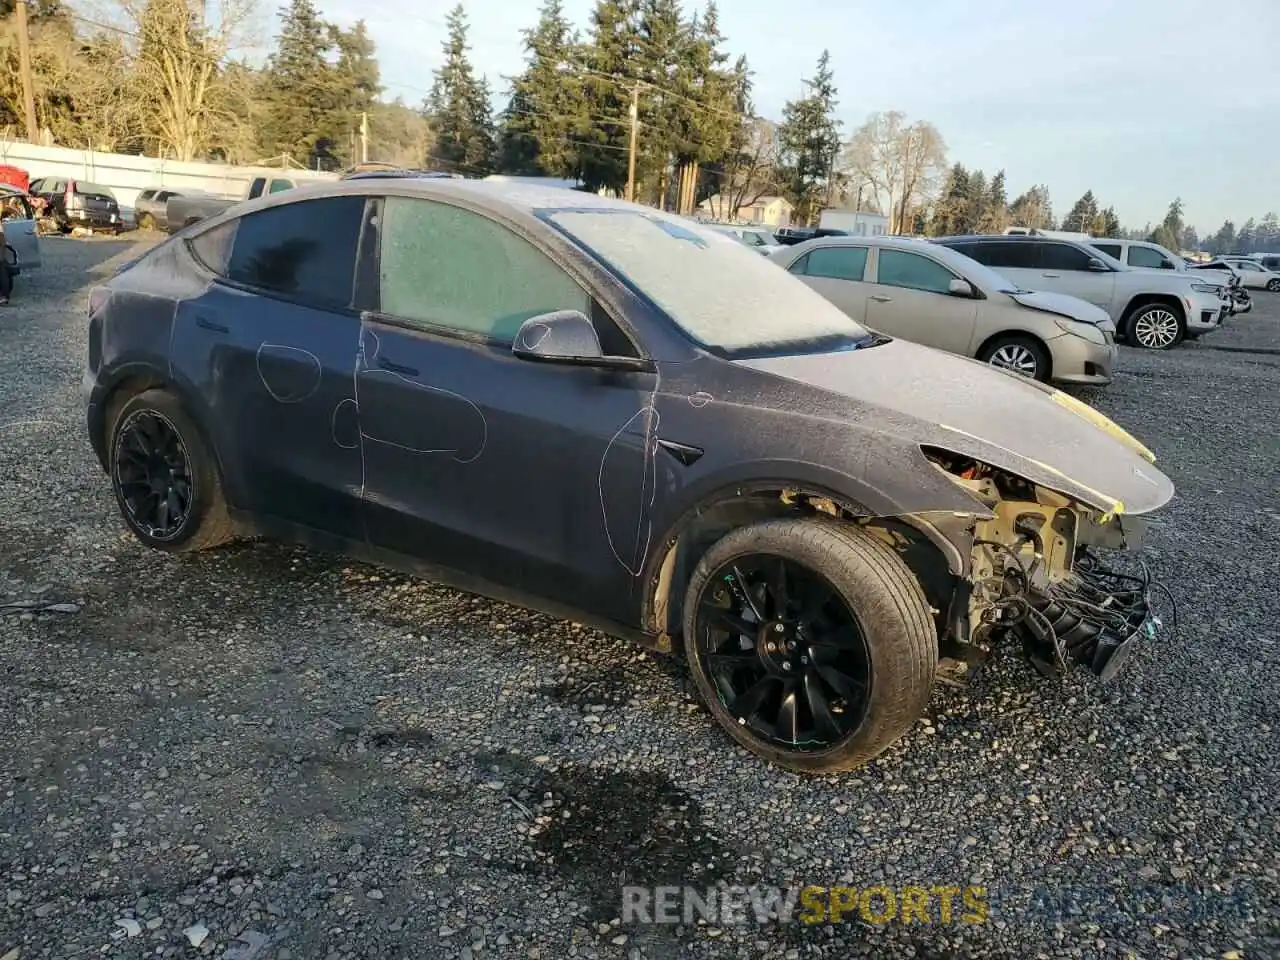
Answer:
(787, 657)
(153, 474)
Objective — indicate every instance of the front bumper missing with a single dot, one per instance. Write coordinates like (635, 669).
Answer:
(1092, 618)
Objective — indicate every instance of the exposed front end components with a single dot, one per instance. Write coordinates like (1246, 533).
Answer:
(1090, 617)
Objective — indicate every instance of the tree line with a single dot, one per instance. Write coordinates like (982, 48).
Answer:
(169, 78)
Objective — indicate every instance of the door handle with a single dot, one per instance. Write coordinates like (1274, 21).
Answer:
(1052, 276)
(880, 298)
(399, 368)
(208, 324)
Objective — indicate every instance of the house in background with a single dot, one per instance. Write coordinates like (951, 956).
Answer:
(767, 211)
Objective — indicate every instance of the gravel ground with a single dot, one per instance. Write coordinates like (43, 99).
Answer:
(304, 757)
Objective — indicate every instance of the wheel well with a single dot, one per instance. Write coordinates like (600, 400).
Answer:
(663, 612)
(120, 394)
(1021, 335)
(1148, 299)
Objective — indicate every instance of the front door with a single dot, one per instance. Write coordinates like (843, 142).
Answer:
(271, 348)
(911, 299)
(20, 230)
(477, 460)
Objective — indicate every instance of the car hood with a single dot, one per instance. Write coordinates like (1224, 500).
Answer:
(1003, 419)
(1063, 305)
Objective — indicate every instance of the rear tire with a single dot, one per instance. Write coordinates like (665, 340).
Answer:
(165, 477)
(875, 623)
(1022, 355)
(1155, 326)
(1274, 285)
(146, 222)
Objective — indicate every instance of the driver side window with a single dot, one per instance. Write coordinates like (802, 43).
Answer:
(445, 267)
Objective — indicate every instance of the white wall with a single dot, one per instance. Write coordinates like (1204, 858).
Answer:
(859, 224)
(127, 175)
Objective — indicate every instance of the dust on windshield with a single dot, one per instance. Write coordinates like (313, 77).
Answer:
(722, 294)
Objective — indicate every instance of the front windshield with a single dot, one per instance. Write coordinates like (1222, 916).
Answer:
(724, 296)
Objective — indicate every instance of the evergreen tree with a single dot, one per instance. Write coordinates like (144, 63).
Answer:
(1082, 214)
(297, 85)
(458, 106)
(951, 211)
(1110, 223)
(810, 138)
(709, 123)
(976, 213)
(1224, 240)
(1033, 209)
(546, 112)
(995, 215)
(612, 58)
(1268, 235)
(1246, 238)
(666, 52)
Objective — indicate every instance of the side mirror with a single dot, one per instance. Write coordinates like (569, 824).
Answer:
(1097, 266)
(960, 288)
(563, 336)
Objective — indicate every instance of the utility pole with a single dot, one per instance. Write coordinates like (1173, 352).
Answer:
(24, 69)
(364, 137)
(631, 153)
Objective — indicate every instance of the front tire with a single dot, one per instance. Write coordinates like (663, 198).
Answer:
(1156, 326)
(810, 641)
(164, 476)
(1274, 285)
(146, 222)
(1020, 354)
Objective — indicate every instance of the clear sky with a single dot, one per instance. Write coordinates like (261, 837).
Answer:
(1140, 101)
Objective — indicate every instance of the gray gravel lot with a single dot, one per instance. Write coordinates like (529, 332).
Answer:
(328, 760)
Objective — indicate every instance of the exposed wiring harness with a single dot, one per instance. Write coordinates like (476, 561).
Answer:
(1086, 618)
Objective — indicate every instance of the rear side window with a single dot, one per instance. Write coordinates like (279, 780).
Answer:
(837, 263)
(146, 195)
(304, 250)
(1146, 257)
(897, 268)
(1113, 250)
(279, 186)
(1059, 256)
(442, 266)
(1006, 254)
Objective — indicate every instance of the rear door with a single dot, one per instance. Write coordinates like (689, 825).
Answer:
(270, 350)
(838, 272)
(911, 299)
(19, 222)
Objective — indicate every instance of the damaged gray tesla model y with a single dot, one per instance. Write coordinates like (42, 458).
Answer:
(614, 415)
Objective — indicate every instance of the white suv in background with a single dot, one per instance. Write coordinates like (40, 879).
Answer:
(1155, 309)
(1146, 255)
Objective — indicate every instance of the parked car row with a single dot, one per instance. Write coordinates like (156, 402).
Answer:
(1049, 308)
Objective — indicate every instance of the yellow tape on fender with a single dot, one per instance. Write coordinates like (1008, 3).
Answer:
(1104, 423)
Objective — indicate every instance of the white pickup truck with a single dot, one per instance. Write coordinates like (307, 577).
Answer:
(182, 211)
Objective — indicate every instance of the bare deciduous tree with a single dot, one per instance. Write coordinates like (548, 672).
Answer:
(751, 172)
(899, 162)
(179, 68)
